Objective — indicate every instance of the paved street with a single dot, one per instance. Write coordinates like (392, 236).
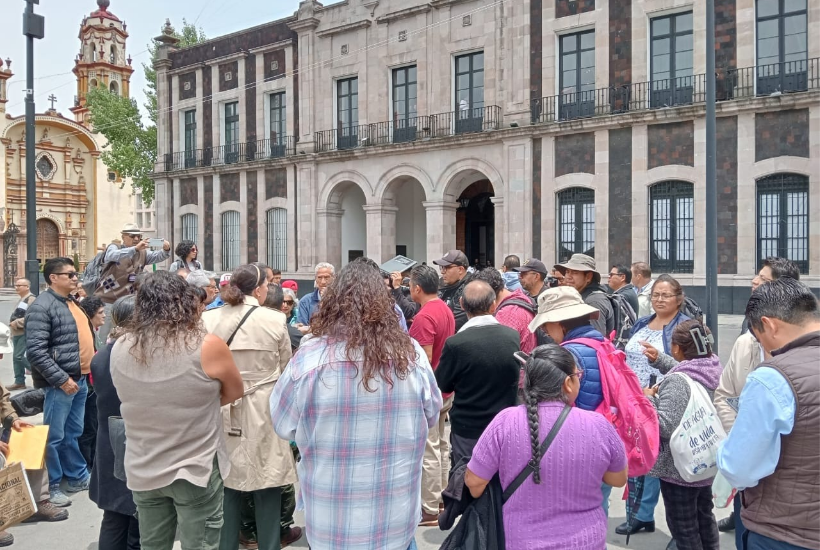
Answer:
(81, 530)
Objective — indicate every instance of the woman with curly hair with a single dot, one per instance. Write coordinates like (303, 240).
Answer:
(186, 252)
(559, 505)
(358, 398)
(172, 378)
(261, 463)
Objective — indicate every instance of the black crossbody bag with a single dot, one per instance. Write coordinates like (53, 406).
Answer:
(530, 468)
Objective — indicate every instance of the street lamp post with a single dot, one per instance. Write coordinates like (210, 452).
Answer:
(33, 27)
(711, 183)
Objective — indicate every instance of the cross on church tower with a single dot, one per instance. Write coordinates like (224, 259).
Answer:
(52, 98)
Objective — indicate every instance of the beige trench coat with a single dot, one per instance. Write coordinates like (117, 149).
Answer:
(261, 350)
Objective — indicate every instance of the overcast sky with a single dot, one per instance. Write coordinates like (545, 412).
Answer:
(54, 55)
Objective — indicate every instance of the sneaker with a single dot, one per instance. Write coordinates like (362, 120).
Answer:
(6, 538)
(78, 486)
(58, 498)
(15, 387)
(46, 511)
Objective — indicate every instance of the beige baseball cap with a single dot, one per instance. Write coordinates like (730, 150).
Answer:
(560, 304)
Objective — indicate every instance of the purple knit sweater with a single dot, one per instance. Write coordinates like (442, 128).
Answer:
(564, 510)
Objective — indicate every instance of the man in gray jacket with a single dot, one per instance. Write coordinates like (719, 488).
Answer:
(60, 345)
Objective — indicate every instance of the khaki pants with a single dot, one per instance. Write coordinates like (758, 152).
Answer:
(436, 465)
(38, 480)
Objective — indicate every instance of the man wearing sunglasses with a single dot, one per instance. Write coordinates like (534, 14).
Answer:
(60, 345)
(121, 265)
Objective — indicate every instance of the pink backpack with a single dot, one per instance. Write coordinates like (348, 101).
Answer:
(626, 407)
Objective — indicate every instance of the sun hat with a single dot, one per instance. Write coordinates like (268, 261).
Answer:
(533, 264)
(225, 279)
(131, 229)
(293, 285)
(453, 257)
(560, 304)
(5, 340)
(578, 262)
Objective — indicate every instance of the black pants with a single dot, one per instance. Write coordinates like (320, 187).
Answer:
(88, 441)
(267, 505)
(689, 516)
(119, 532)
(460, 448)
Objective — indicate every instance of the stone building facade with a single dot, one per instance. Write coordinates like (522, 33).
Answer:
(539, 128)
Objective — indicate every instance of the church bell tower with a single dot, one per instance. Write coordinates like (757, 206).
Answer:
(102, 60)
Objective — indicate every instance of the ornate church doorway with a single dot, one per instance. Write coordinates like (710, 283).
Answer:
(48, 240)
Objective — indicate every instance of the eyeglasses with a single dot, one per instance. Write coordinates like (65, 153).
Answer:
(69, 274)
(137, 237)
(614, 274)
(664, 297)
(579, 374)
(288, 302)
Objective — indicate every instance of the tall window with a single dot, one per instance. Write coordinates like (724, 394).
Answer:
(230, 240)
(470, 92)
(576, 222)
(783, 218)
(577, 75)
(404, 104)
(190, 227)
(672, 223)
(278, 125)
(277, 238)
(347, 113)
(672, 45)
(232, 132)
(190, 138)
(782, 47)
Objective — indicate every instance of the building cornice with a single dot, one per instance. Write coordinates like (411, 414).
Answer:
(363, 24)
(303, 25)
(401, 14)
(272, 47)
(438, 4)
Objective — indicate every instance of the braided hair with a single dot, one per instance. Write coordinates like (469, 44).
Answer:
(544, 374)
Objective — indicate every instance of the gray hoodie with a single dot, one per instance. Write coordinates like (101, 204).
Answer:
(671, 402)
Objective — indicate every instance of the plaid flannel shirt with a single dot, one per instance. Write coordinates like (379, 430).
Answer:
(360, 473)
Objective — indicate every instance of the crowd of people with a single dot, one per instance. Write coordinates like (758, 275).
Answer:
(193, 405)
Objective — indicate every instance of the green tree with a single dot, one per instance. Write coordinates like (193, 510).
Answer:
(133, 145)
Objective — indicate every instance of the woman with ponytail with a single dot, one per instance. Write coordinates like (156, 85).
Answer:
(261, 463)
(559, 506)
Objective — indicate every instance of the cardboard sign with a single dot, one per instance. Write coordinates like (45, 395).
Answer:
(16, 500)
(399, 263)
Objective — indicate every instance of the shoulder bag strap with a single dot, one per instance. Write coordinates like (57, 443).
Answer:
(242, 322)
(529, 469)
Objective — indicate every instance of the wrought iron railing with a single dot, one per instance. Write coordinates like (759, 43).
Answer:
(762, 80)
(411, 129)
(229, 154)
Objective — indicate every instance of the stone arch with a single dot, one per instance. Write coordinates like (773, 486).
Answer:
(566, 181)
(779, 165)
(334, 188)
(461, 174)
(386, 186)
(678, 172)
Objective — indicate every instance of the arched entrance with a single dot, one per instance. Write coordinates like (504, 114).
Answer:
(354, 224)
(475, 223)
(407, 193)
(48, 240)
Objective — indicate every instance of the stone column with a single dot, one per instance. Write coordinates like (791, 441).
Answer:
(441, 228)
(381, 232)
(329, 236)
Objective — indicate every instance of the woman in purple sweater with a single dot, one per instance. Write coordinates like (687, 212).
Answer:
(559, 506)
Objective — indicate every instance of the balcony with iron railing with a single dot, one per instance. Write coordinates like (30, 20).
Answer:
(758, 81)
(221, 155)
(441, 125)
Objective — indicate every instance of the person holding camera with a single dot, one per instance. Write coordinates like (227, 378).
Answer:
(121, 265)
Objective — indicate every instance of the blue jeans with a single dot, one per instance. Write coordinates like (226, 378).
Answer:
(606, 490)
(64, 414)
(754, 541)
(739, 528)
(649, 498)
(413, 545)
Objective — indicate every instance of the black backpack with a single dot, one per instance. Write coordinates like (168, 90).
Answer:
(691, 309)
(541, 337)
(624, 317)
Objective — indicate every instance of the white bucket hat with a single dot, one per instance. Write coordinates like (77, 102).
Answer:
(560, 304)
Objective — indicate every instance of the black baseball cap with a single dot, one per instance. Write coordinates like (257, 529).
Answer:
(453, 257)
(533, 264)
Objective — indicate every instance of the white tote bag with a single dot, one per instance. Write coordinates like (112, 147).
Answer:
(694, 443)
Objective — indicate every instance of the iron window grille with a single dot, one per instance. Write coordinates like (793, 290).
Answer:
(672, 227)
(783, 218)
(277, 238)
(190, 227)
(576, 222)
(230, 240)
